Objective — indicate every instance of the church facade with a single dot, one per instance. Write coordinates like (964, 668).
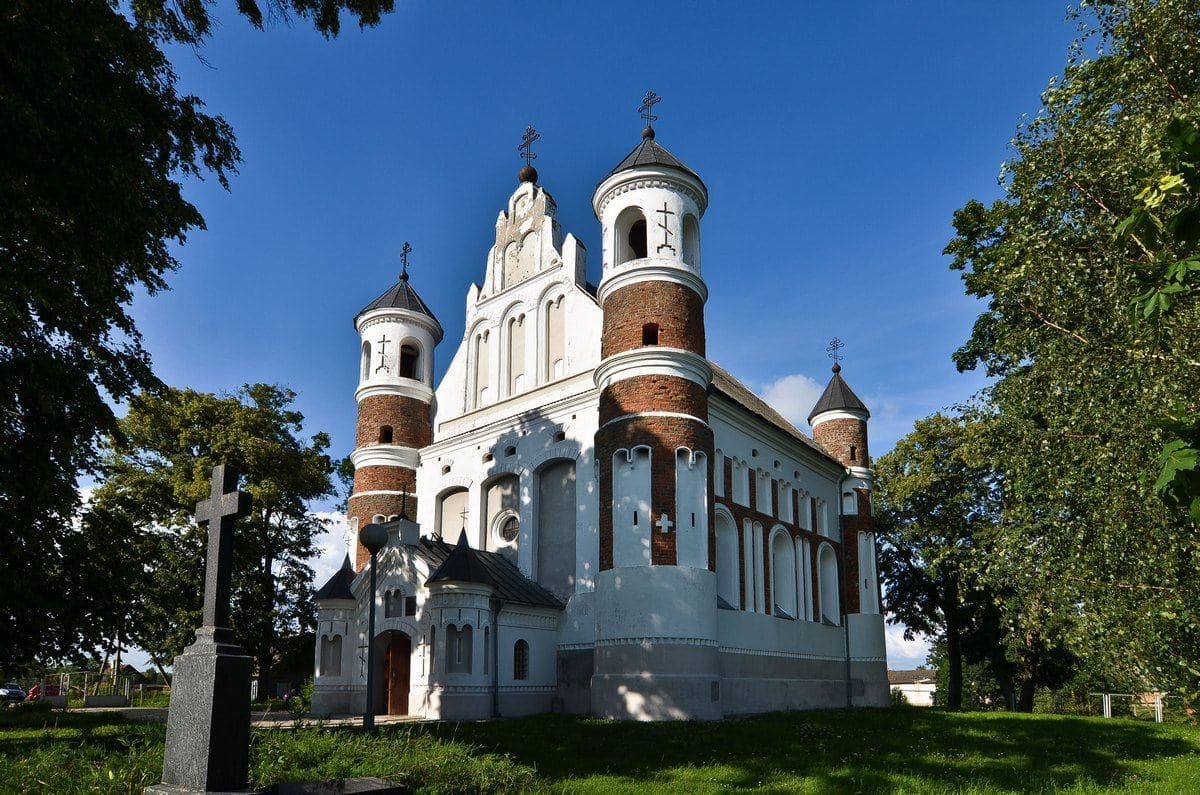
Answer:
(587, 515)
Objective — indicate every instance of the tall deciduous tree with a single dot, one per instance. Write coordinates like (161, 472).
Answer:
(95, 138)
(158, 467)
(933, 504)
(1080, 378)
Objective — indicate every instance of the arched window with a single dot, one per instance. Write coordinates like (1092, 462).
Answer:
(637, 240)
(691, 241)
(432, 648)
(728, 576)
(482, 358)
(650, 334)
(331, 656)
(451, 518)
(410, 360)
(849, 502)
(393, 603)
(831, 609)
(630, 231)
(783, 575)
(520, 660)
(385, 434)
(516, 354)
(458, 650)
(378, 519)
(366, 361)
(853, 452)
(555, 362)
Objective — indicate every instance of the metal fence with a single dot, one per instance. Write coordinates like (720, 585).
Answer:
(91, 688)
(1154, 706)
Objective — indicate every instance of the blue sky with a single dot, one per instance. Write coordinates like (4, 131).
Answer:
(836, 141)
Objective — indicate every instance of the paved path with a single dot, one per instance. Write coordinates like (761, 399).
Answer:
(262, 720)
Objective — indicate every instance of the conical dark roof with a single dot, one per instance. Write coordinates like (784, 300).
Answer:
(400, 296)
(838, 396)
(650, 153)
(338, 586)
(462, 565)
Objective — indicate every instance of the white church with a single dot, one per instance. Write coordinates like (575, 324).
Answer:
(586, 515)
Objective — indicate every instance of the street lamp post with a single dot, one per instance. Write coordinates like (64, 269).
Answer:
(373, 537)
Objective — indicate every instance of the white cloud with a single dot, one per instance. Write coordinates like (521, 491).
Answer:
(331, 546)
(904, 654)
(793, 396)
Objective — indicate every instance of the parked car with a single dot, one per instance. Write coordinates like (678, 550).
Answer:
(11, 692)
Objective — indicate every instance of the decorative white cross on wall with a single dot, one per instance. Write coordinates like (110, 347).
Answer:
(664, 524)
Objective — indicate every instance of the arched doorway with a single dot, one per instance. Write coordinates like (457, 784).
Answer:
(394, 651)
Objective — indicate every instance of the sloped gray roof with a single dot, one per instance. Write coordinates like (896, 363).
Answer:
(451, 562)
(650, 153)
(838, 396)
(736, 391)
(338, 586)
(912, 677)
(462, 565)
(400, 296)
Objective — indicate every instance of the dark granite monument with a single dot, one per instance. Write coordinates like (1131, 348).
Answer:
(208, 723)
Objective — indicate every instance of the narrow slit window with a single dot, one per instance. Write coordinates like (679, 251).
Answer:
(385, 434)
(650, 334)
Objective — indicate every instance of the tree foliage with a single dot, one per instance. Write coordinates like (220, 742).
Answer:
(96, 140)
(159, 466)
(1080, 378)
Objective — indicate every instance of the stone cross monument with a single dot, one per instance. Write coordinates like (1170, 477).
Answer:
(208, 723)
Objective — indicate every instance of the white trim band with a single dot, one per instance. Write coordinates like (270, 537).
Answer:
(386, 455)
(404, 387)
(380, 493)
(649, 270)
(839, 414)
(653, 361)
(430, 324)
(675, 414)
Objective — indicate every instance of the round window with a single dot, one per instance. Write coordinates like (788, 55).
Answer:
(509, 529)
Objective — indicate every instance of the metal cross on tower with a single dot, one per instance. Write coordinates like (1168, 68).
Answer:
(666, 214)
(526, 145)
(835, 349)
(383, 365)
(220, 511)
(646, 109)
(463, 514)
(405, 250)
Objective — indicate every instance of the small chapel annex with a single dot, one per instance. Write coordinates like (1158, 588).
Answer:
(586, 514)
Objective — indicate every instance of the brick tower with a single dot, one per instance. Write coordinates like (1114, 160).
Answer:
(839, 424)
(395, 405)
(656, 649)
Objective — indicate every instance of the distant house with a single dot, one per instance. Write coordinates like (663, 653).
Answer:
(918, 686)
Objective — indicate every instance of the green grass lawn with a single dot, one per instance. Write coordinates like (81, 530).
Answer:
(898, 750)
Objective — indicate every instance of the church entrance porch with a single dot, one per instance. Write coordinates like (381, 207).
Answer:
(394, 650)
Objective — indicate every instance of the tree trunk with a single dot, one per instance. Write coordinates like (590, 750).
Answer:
(162, 672)
(954, 658)
(1025, 704)
(1006, 688)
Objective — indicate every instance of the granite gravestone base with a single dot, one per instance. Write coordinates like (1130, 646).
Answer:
(208, 720)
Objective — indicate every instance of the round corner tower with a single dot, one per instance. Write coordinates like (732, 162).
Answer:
(656, 591)
(398, 335)
(839, 424)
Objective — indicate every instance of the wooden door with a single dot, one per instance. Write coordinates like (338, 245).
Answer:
(396, 679)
